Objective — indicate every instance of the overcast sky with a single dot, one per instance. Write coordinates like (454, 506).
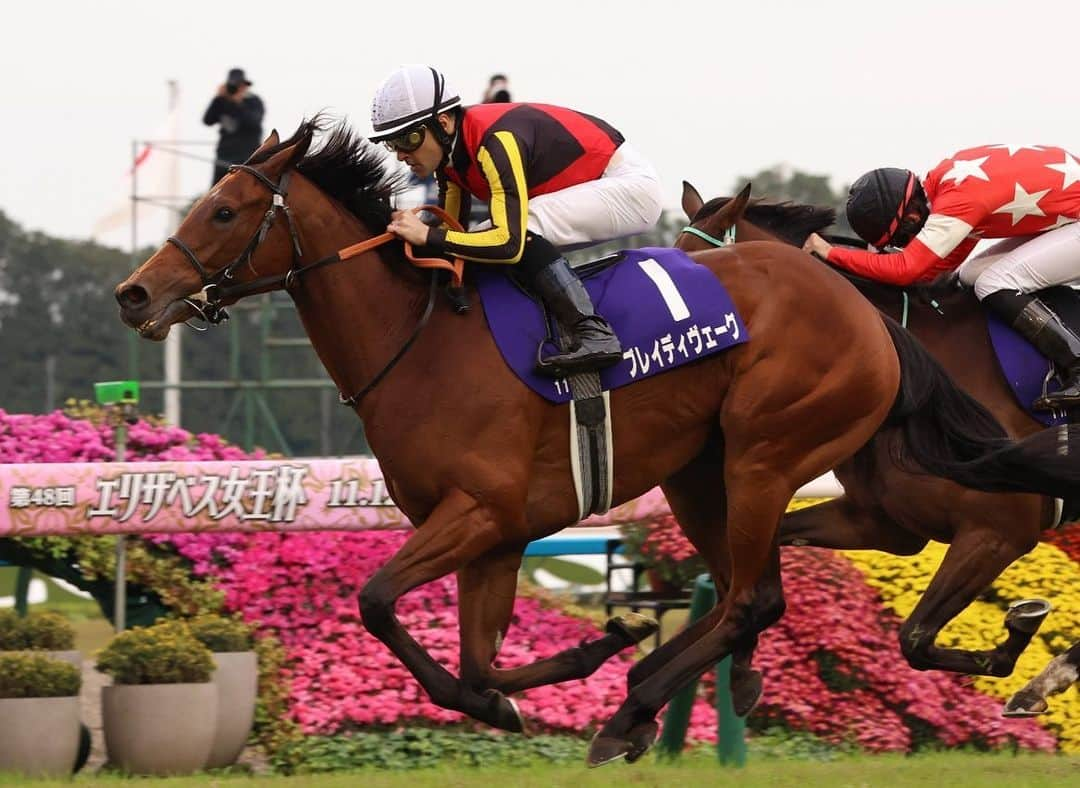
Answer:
(707, 90)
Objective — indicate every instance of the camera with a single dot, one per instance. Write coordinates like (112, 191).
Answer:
(231, 88)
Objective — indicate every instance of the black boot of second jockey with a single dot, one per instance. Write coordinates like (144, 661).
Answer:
(593, 344)
(1038, 324)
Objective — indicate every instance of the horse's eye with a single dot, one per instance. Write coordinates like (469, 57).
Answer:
(224, 215)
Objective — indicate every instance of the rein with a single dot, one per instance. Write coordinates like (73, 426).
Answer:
(208, 301)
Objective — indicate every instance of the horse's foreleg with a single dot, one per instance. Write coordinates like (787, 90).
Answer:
(1062, 672)
(486, 589)
(972, 562)
(458, 531)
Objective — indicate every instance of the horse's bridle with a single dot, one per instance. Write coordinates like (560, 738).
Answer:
(207, 302)
(727, 239)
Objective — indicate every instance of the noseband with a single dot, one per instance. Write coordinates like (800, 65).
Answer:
(207, 302)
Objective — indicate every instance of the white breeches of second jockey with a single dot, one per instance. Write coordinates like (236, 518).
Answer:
(1026, 263)
(627, 199)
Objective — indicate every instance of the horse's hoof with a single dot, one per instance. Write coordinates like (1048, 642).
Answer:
(746, 692)
(503, 712)
(605, 749)
(1025, 703)
(633, 626)
(641, 738)
(1026, 615)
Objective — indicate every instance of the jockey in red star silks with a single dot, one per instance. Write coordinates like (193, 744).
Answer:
(1028, 195)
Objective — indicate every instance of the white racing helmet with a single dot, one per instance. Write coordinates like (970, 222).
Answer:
(410, 96)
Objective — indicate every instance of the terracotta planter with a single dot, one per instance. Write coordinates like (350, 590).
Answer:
(39, 737)
(236, 679)
(159, 729)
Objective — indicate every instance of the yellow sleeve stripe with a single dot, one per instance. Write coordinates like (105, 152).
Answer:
(500, 233)
(452, 201)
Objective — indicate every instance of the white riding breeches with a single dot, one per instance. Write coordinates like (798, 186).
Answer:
(1026, 263)
(627, 199)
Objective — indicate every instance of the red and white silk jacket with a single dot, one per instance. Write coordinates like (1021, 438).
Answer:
(995, 191)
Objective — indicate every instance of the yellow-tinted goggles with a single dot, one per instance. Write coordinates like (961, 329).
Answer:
(408, 141)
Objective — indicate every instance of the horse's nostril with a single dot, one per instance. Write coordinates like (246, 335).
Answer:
(132, 296)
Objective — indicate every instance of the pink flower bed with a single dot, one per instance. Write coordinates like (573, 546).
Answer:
(304, 587)
(54, 437)
(832, 665)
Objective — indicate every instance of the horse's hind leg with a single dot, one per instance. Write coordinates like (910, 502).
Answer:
(756, 501)
(1062, 672)
(486, 590)
(973, 561)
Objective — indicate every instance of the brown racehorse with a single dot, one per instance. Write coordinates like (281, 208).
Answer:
(885, 507)
(480, 462)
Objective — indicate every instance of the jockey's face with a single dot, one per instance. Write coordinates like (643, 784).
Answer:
(426, 159)
(915, 216)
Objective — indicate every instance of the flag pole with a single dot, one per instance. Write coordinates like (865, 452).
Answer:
(172, 361)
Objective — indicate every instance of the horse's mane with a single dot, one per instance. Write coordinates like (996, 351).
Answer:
(789, 221)
(346, 167)
(793, 222)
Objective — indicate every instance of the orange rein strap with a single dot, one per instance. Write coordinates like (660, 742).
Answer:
(455, 267)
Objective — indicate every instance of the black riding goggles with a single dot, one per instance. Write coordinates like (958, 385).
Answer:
(408, 141)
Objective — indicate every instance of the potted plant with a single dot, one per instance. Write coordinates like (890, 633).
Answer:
(43, 631)
(671, 563)
(39, 715)
(159, 715)
(236, 676)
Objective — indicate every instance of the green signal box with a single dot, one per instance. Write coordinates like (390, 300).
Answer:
(117, 392)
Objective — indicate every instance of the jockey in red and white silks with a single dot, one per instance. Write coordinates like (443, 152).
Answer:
(1028, 195)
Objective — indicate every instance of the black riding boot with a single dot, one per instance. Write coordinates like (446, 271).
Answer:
(593, 344)
(1038, 324)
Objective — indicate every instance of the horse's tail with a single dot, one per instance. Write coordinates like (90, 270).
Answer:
(948, 433)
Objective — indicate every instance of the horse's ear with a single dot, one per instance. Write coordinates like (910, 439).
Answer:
(268, 143)
(730, 214)
(691, 200)
(739, 203)
(289, 157)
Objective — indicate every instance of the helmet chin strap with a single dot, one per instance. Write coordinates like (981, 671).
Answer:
(446, 141)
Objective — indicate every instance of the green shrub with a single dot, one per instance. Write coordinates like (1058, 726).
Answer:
(12, 631)
(49, 631)
(420, 748)
(165, 653)
(26, 675)
(219, 633)
(39, 631)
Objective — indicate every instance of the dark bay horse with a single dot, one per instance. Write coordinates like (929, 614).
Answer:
(481, 463)
(885, 507)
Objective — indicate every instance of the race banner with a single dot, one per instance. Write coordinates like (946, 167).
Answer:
(277, 495)
(170, 497)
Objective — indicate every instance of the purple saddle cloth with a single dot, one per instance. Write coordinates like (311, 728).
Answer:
(666, 310)
(1023, 366)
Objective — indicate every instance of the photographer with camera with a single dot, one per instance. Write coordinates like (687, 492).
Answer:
(239, 112)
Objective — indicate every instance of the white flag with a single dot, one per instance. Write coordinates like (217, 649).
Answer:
(156, 173)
